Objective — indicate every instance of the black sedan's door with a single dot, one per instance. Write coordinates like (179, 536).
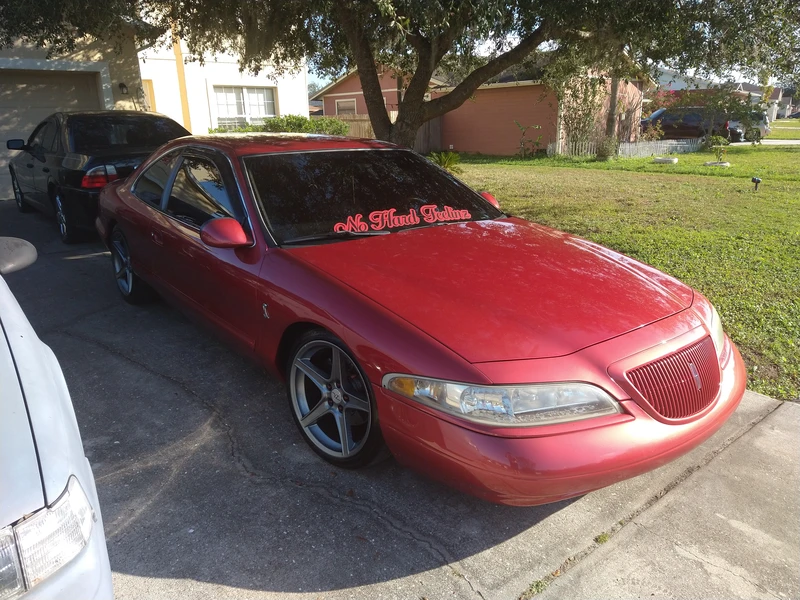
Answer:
(45, 168)
(25, 164)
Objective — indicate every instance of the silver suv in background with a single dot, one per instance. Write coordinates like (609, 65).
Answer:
(758, 128)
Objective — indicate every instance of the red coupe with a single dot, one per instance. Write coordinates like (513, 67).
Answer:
(406, 311)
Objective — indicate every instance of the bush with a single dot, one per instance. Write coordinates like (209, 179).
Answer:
(607, 147)
(292, 124)
(447, 160)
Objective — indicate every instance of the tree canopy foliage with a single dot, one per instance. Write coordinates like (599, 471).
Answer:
(470, 41)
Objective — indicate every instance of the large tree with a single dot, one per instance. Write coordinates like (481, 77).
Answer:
(470, 41)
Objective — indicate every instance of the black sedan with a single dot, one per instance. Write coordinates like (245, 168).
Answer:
(71, 156)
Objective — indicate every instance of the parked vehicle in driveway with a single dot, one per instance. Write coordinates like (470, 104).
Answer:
(404, 310)
(69, 157)
(52, 544)
(686, 122)
(755, 127)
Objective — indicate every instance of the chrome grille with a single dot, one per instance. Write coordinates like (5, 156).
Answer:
(681, 384)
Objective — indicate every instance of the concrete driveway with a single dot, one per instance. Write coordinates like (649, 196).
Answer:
(207, 490)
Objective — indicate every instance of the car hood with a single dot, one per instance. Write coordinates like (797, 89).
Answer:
(50, 416)
(20, 480)
(500, 290)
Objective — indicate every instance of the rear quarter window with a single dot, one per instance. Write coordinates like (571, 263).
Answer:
(149, 186)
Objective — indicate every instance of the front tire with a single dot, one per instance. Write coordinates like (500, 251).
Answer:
(332, 402)
(132, 288)
(19, 198)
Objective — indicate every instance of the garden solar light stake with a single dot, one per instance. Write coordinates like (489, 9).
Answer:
(756, 180)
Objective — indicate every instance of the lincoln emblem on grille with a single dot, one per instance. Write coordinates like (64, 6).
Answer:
(696, 376)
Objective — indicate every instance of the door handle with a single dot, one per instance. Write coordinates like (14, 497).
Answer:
(156, 237)
(45, 169)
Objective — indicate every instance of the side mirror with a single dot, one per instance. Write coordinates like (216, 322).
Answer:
(15, 144)
(16, 254)
(224, 233)
(490, 199)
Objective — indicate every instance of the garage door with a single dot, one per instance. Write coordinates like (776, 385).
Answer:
(27, 97)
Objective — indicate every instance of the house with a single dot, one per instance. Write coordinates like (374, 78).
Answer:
(757, 93)
(212, 93)
(668, 79)
(486, 123)
(96, 75)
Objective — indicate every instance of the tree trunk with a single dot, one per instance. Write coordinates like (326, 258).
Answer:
(611, 120)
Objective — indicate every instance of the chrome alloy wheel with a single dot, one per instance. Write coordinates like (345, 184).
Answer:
(122, 263)
(330, 399)
(61, 217)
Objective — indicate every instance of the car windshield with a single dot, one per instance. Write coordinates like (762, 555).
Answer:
(90, 133)
(358, 192)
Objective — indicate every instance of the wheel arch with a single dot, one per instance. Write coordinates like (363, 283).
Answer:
(290, 335)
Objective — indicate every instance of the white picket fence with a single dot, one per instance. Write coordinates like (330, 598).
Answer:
(626, 149)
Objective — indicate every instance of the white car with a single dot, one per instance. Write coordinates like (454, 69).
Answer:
(760, 122)
(52, 544)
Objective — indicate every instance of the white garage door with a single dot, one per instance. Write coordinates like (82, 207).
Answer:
(27, 97)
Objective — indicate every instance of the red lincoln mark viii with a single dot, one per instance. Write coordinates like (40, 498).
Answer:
(404, 310)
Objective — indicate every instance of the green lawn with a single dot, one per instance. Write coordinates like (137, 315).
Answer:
(765, 162)
(739, 247)
(785, 133)
(786, 123)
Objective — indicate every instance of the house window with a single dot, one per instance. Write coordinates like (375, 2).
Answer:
(345, 107)
(239, 106)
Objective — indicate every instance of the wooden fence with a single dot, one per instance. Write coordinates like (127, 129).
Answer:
(626, 149)
(429, 136)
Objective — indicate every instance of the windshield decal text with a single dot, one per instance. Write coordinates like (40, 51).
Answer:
(389, 219)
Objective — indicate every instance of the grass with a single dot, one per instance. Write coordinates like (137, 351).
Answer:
(709, 228)
(783, 133)
(785, 123)
(774, 162)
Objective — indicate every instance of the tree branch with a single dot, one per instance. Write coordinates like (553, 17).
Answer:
(497, 65)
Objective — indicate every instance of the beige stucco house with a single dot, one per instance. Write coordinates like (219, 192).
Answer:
(94, 76)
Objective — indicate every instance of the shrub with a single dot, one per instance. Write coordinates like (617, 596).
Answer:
(447, 160)
(292, 124)
(607, 147)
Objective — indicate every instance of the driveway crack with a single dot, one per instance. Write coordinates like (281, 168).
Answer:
(705, 560)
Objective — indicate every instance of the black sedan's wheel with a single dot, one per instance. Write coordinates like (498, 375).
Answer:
(66, 228)
(22, 206)
(132, 288)
(332, 403)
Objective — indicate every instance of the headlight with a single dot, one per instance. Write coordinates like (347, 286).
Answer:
(717, 335)
(507, 405)
(37, 547)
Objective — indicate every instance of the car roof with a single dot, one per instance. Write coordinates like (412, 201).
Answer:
(110, 113)
(244, 144)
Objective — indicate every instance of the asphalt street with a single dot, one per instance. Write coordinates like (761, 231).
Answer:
(207, 490)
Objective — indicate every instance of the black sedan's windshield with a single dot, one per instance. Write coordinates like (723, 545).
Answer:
(310, 194)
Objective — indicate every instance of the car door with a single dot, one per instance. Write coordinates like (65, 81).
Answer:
(141, 217)
(43, 169)
(219, 283)
(25, 164)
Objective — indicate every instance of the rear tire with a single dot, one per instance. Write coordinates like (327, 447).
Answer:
(19, 198)
(129, 284)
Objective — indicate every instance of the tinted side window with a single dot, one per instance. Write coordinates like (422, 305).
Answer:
(49, 137)
(692, 119)
(149, 187)
(199, 193)
(37, 135)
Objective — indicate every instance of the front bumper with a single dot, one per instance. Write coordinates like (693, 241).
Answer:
(526, 471)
